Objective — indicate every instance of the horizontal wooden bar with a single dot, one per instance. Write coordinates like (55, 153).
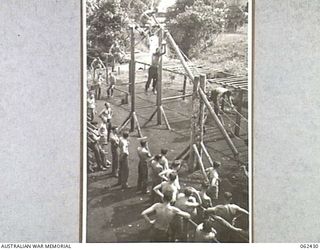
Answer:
(175, 97)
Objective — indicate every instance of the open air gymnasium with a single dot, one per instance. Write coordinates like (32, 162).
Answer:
(193, 125)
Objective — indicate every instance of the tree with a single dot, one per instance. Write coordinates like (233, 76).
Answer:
(193, 23)
(107, 21)
(235, 17)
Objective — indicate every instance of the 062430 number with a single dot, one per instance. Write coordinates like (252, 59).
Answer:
(313, 245)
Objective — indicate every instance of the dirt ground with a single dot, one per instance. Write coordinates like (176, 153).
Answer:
(113, 215)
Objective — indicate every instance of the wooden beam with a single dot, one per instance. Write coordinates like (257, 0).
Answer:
(165, 118)
(201, 110)
(184, 86)
(133, 94)
(238, 117)
(107, 73)
(176, 97)
(134, 116)
(152, 115)
(195, 149)
(194, 123)
(206, 154)
(203, 96)
(159, 81)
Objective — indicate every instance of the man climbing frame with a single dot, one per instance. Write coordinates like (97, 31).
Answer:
(217, 96)
(153, 70)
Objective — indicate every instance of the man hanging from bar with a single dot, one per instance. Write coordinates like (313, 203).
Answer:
(153, 70)
(219, 96)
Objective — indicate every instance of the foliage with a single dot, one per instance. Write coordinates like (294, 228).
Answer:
(195, 22)
(235, 17)
(107, 22)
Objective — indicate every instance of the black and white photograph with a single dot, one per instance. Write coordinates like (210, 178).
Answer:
(168, 118)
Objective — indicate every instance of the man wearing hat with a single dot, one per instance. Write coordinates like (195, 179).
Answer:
(144, 155)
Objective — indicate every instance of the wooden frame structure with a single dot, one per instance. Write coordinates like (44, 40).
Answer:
(200, 102)
(132, 118)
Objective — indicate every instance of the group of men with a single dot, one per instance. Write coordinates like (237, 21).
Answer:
(181, 214)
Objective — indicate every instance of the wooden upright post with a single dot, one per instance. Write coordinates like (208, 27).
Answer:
(159, 81)
(194, 123)
(238, 117)
(203, 81)
(130, 81)
(133, 64)
(184, 86)
(107, 73)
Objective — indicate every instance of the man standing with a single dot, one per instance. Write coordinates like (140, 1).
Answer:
(214, 179)
(153, 70)
(112, 82)
(164, 161)
(164, 214)
(114, 142)
(144, 155)
(167, 186)
(91, 106)
(106, 116)
(124, 163)
(156, 169)
(98, 88)
(175, 167)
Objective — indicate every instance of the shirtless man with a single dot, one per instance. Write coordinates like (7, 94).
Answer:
(153, 70)
(187, 203)
(164, 161)
(175, 167)
(205, 232)
(156, 168)
(164, 214)
(218, 96)
(167, 186)
(228, 212)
